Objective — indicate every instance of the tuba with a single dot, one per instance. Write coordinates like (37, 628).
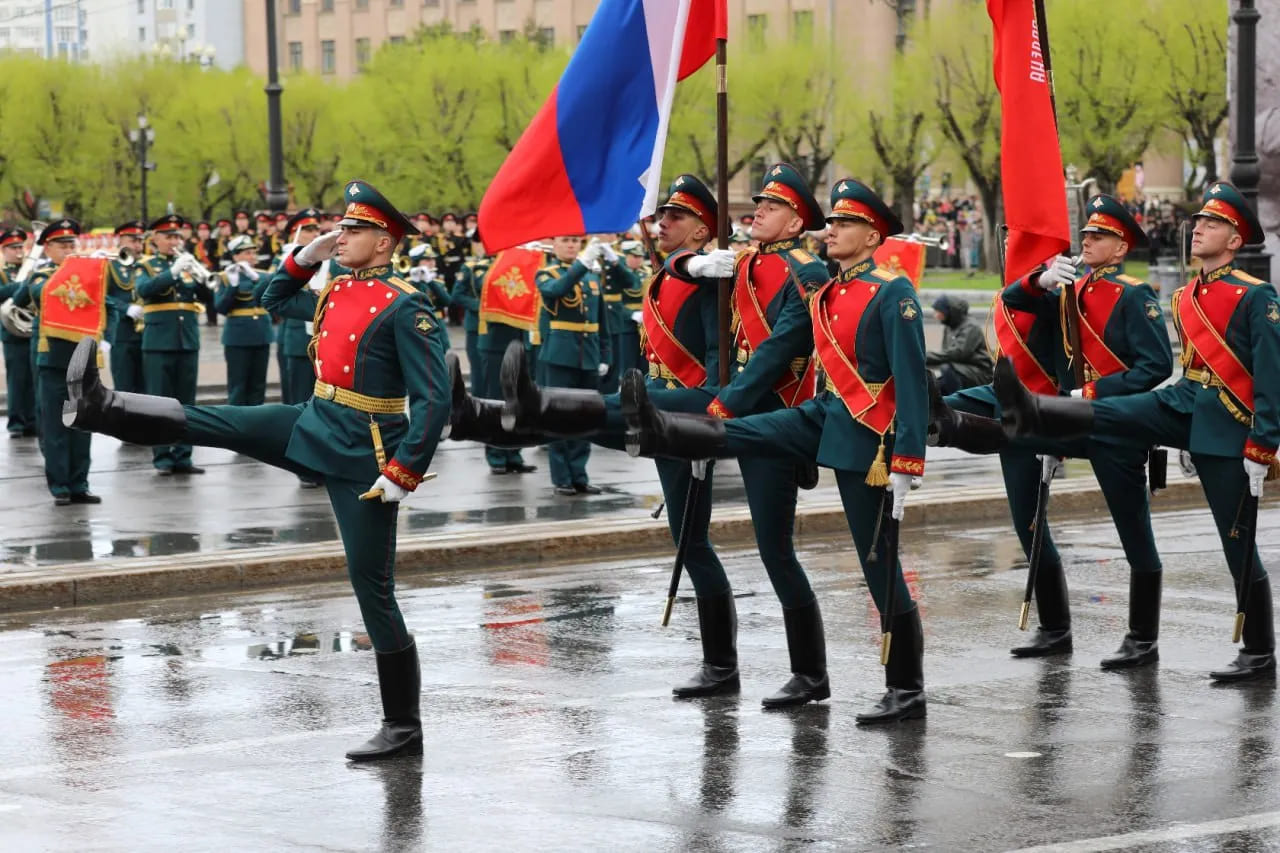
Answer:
(16, 321)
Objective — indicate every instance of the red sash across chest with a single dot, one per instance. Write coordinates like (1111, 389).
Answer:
(1204, 312)
(758, 281)
(1012, 330)
(347, 308)
(1097, 301)
(661, 345)
(837, 310)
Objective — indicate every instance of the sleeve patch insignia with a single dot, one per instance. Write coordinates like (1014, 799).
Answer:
(423, 322)
(1153, 310)
(908, 309)
(1273, 313)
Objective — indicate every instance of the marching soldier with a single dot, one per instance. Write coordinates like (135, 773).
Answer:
(869, 341)
(451, 246)
(243, 223)
(424, 276)
(126, 338)
(205, 249)
(246, 336)
(378, 348)
(491, 344)
(71, 310)
(172, 288)
(221, 236)
(465, 293)
(19, 380)
(575, 347)
(1125, 348)
(624, 297)
(268, 240)
(1225, 409)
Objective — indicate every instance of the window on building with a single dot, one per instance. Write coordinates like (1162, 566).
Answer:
(328, 61)
(62, 14)
(756, 25)
(396, 39)
(295, 7)
(395, 4)
(191, 5)
(326, 5)
(164, 4)
(362, 5)
(430, 2)
(582, 29)
(142, 34)
(4, 34)
(142, 7)
(362, 53)
(505, 36)
(191, 31)
(546, 36)
(65, 34)
(802, 26)
(295, 56)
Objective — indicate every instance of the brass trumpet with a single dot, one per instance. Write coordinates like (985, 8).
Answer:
(126, 257)
(401, 264)
(197, 270)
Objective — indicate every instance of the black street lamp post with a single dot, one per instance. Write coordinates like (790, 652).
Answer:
(143, 137)
(277, 192)
(1245, 172)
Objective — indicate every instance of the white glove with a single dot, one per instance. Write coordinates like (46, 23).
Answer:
(181, 265)
(320, 249)
(602, 369)
(391, 493)
(637, 317)
(900, 484)
(1050, 465)
(233, 276)
(1077, 393)
(1256, 472)
(718, 263)
(416, 273)
(248, 270)
(1060, 271)
(590, 256)
(134, 312)
(104, 346)
(1184, 462)
(609, 254)
(428, 274)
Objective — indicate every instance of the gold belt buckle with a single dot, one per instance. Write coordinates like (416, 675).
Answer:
(330, 391)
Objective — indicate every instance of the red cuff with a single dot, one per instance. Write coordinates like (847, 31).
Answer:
(401, 476)
(907, 465)
(1258, 453)
(297, 270)
(715, 407)
(1089, 391)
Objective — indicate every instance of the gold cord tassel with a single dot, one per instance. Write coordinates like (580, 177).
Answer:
(379, 453)
(878, 473)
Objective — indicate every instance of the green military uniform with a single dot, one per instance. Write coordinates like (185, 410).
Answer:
(490, 345)
(574, 346)
(172, 305)
(19, 380)
(66, 452)
(466, 293)
(246, 335)
(126, 338)
(624, 296)
(380, 406)
(1126, 351)
(868, 333)
(428, 283)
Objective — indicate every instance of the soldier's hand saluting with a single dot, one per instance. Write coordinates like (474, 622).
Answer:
(320, 249)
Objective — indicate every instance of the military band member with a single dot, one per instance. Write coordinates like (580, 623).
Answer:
(1125, 349)
(243, 223)
(377, 350)
(575, 346)
(869, 341)
(624, 297)
(1225, 409)
(491, 345)
(205, 250)
(425, 276)
(222, 233)
(66, 452)
(452, 247)
(465, 294)
(172, 289)
(246, 336)
(268, 240)
(19, 380)
(126, 338)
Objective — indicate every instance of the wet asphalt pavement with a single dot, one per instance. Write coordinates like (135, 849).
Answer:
(219, 723)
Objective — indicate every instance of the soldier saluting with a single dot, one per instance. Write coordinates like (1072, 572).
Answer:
(377, 348)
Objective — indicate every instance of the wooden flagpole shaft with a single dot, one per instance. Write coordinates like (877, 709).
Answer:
(722, 199)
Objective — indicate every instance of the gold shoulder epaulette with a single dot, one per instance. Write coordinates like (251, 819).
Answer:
(402, 284)
(1245, 278)
(801, 255)
(886, 275)
(1128, 279)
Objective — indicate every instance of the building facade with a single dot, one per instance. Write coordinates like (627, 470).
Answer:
(210, 32)
(44, 28)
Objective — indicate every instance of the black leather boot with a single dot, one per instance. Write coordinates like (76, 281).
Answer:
(968, 432)
(718, 625)
(1023, 413)
(400, 683)
(1257, 660)
(1053, 634)
(904, 676)
(1139, 648)
(677, 435)
(807, 646)
(475, 419)
(557, 412)
(135, 418)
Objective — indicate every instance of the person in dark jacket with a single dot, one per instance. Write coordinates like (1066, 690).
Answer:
(964, 360)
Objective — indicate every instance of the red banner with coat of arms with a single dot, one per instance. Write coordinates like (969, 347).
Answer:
(902, 257)
(73, 302)
(510, 291)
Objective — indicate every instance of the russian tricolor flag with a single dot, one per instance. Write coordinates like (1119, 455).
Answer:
(591, 159)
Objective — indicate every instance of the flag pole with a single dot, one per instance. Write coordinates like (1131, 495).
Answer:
(722, 198)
